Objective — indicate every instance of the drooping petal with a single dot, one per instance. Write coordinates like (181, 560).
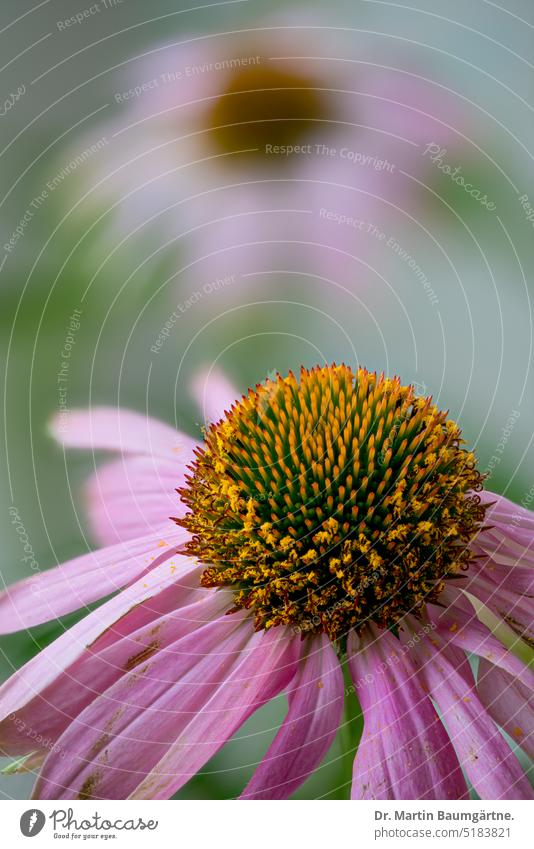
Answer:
(505, 547)
(133, 496)
(508, 536)
(501, 546)
(260, 675)
(121, 734)
(516, 610)
(499, 539)
(180, 587)
(47, 595)
(214, 394)
(405, 752)
(484, 754)
(138, 599)
(458, 624)
(49, 712)
(125, 431)
(509, 702)
(313, 717)
(513, 520)
(504, 571)
(158, 724)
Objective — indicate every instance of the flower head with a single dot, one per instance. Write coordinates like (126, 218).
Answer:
(259, 149)
(262, 105)
(334, 519)
(347, 500)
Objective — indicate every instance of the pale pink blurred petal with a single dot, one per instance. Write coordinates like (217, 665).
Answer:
(113, 429)
(214, 394)
(133, 496)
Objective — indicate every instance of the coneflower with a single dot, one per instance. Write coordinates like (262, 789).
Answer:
(330, 518)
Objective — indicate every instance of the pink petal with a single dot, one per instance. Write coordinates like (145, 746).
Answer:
(73, 585)
(44, 668)
(259, 676)
(315, 707)
(516, 610)
(503, 511)
(115, 429)
(504, 571)
(104, 662)
(458, 624)
(503, 548)
(180, 588)
(514, 521)
(509, 702)
(503, 558)
(497, 537)
(207, 682)
(484, 755)
(214, 394)
(408, 106)
(133, 496)
(122, 733)
(404, 752)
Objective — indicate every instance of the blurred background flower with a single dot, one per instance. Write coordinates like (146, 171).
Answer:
(278, 145)
(148, 232)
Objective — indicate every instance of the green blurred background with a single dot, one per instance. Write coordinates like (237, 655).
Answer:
(471, 348)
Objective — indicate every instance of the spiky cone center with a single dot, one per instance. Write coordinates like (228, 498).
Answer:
(331, 501)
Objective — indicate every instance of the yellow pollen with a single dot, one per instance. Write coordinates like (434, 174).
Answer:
(332, 500)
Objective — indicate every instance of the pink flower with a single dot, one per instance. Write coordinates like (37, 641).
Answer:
(322, 519)
(277, 147)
